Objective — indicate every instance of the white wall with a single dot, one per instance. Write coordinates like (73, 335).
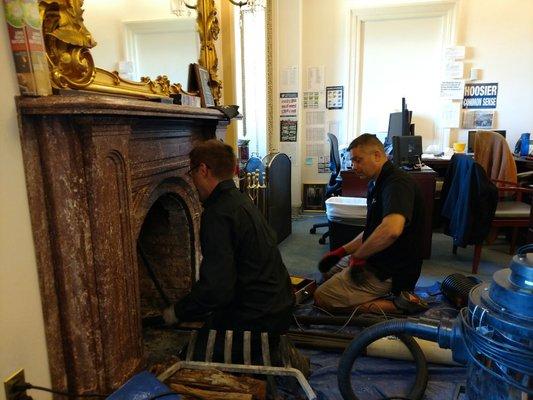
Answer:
(286, 53)
(498, 34)
(22, 343)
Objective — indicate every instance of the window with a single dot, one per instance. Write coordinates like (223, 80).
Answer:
(251, 76)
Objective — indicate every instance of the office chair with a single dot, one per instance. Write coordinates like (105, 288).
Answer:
(334, 186)
(512, 211)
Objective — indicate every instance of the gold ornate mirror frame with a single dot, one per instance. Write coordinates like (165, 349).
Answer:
(68, 43)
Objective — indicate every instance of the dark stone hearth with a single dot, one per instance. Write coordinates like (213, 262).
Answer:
(96, 167)
(165, 239)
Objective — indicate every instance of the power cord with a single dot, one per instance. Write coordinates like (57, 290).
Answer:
(29, 386)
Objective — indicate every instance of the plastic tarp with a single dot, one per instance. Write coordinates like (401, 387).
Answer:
(378, 378)
(346, 210)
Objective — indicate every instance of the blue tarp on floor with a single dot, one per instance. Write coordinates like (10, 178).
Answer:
(378, 378)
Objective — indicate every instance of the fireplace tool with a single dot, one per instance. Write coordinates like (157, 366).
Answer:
(255, 189)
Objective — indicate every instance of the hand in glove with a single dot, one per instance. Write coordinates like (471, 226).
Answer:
(357, 270)
(331, 259)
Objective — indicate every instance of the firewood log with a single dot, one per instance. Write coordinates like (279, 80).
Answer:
(208, 394)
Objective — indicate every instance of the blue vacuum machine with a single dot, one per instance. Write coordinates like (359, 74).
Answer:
(492, 336)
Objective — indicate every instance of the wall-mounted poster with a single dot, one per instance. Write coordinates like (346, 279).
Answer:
(480, 95)
(478, 119)
(288, 130)
(334, 97)
(288, 104)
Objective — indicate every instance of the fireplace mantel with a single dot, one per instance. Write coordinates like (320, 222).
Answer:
(94, 166)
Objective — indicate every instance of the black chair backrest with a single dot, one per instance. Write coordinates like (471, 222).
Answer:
(334, 156)
(334, 186)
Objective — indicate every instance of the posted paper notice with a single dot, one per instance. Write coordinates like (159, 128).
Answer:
(452, 90)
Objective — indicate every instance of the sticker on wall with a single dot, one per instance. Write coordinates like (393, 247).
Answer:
(480, 95)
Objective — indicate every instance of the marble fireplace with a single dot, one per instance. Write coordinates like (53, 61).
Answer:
(105, 175)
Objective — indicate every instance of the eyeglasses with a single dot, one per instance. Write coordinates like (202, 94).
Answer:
(189, 172)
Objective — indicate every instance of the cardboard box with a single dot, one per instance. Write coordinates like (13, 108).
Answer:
(27, 45)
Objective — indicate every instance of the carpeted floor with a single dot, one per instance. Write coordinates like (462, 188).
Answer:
(301, 253)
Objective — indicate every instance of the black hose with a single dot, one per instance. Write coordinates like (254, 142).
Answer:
(399, 328)
(456, 288)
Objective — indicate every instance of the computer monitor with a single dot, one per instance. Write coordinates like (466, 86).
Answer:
(406, 150)
(472, 139)
(396, 124)
(400, 122)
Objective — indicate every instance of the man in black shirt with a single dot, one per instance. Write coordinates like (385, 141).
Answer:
(243, 283)
(386, 256)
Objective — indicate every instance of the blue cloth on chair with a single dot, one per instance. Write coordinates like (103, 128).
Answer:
(469, 201)
(457, 204)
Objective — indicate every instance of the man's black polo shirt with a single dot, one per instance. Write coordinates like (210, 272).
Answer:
(243, 281)
(396, 192)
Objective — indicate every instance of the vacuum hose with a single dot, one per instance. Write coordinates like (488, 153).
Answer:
(422, 328)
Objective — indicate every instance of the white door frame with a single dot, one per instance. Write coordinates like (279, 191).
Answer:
(447, 10)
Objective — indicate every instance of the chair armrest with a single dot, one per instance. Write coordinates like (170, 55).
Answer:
(498, 181)
(517, 190)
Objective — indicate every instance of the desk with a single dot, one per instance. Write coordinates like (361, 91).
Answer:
(523, 164)
(354, 186)
(440, 165)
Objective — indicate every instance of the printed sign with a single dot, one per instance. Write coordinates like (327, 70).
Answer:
(288, 130)
(452, 90)
(480, 95)
(334, 97)
(288, 104)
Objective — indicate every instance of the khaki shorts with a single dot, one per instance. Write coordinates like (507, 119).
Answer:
(340, 293)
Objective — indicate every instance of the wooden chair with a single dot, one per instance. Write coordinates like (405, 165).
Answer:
(492, 152)
(510, 213)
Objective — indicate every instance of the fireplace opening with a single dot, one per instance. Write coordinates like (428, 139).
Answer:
(165, 254)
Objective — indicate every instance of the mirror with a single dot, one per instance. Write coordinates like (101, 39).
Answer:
(137, 38)
(142, 41)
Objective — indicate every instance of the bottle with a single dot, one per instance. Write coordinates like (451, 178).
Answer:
(524, 144)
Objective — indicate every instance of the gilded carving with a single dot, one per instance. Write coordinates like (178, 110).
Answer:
(68, 43)
(208, 29)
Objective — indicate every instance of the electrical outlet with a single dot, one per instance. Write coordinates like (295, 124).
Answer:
(17, 379)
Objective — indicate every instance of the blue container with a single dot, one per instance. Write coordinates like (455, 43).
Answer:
(524, 144)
